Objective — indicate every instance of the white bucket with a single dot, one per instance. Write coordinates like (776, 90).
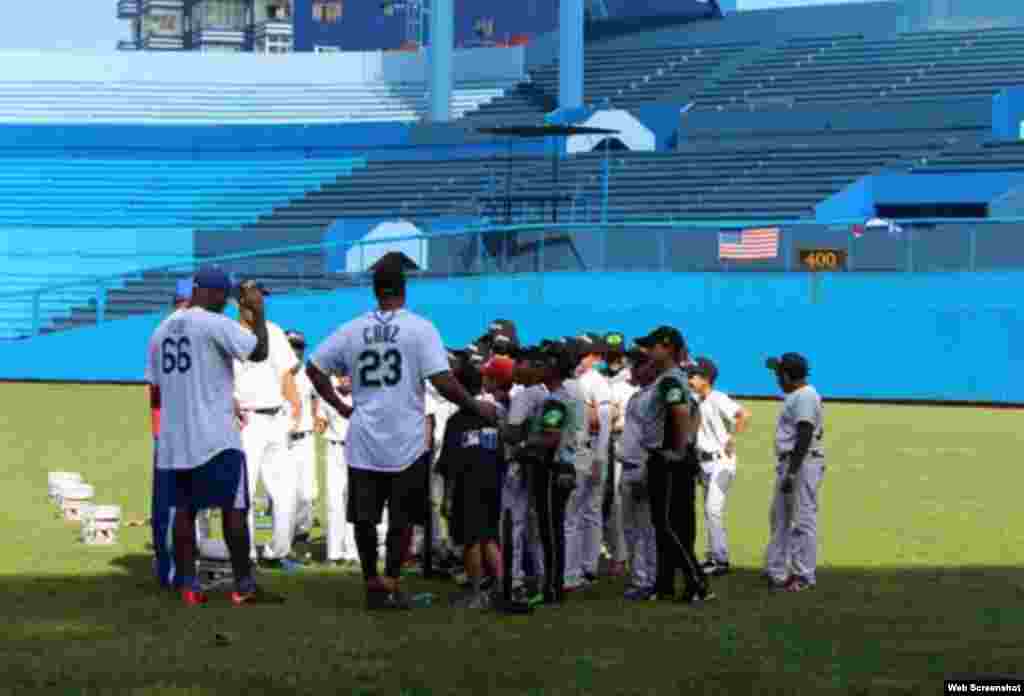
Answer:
(103, 525)
(58, 479)
(73, 498)
(86, 513)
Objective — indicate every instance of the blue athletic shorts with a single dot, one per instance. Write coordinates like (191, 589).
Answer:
(221, 483)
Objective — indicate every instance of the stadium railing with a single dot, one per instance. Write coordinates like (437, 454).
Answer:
(906, 246)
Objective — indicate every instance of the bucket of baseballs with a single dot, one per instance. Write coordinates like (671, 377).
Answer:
(56, 480)
(103, 525)
(73, 498)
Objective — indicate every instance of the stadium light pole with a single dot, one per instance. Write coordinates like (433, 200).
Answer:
(570, 54)
(442, 31)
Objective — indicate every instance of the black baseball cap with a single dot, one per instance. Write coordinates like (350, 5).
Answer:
(793, 365)
(389, 279)
(503, 327)
(663, 336)
(296, 339)
(615, 341)
(705, 367)
(590, 342)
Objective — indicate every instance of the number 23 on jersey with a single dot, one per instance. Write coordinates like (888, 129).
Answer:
(380, 369)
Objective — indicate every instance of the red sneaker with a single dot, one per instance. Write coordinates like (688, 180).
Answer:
(194, 598)
(259, 596)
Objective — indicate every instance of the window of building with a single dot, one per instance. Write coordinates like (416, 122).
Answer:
(327, 11)
(162, 23)
(274, 44)
(221, 14)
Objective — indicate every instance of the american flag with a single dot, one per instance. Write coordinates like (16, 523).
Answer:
(749, 244)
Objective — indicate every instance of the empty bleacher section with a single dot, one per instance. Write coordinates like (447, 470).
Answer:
(986, 157)
(243, 88)
(64, 219)
(845, 68)
(132, 102)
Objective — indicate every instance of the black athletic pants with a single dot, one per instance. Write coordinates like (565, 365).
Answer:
(551, 501)
(673, 491)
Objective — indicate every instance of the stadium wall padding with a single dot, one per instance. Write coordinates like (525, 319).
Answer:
(943, 336)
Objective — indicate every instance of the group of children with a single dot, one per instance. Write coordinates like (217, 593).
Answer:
(583, 418)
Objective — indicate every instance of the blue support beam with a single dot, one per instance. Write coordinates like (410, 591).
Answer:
(570, 54)
(442, 41)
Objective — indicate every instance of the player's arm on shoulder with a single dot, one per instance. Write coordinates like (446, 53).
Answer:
(250, 306)
(449, 387)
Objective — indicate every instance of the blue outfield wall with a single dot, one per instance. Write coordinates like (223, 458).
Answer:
(950, 336)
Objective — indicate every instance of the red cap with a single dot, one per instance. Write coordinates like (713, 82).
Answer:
(499, 368)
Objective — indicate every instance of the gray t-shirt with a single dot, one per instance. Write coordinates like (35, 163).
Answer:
(804, 404)
(637, 430)
(190, 359)
(670, 389)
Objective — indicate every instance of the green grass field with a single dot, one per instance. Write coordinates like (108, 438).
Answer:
(922, 577)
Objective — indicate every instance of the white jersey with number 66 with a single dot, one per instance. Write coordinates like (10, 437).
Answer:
(388, 355)
(190, 359)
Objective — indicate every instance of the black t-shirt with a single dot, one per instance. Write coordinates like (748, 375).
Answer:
(470, 441)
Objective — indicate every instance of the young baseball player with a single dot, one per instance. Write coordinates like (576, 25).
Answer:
(524, 399)
(389, 352)
(548, 450)
(721, 420)
(670, 478)
(638, 530)
(584, 521)
(473, 460)
(261, 390)
(792, 555)
(190, 368)
(302, 444)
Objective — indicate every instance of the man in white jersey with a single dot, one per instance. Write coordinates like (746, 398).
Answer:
(389, 353)
(721, 420)
(189, 368)
(791, 558)
(261, 390)
(302, 444)
(584, 521)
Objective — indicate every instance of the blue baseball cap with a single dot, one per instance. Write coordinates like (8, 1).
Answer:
(183, 289)
(212, 279)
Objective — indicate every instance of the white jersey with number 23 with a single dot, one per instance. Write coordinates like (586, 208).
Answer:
(388, 355)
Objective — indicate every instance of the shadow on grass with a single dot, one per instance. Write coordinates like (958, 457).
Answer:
(877, 630)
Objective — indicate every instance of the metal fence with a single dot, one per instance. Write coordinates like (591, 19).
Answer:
(912, 246)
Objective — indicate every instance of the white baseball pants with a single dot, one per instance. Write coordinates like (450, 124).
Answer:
(614, 532)
(265, 441)
(341, 538)
(515, 499)
(793, 546)
(303, 454)
(638, 530)
(584, 526)
(716, 477)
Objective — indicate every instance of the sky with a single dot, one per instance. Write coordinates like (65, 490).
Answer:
(93, 24)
